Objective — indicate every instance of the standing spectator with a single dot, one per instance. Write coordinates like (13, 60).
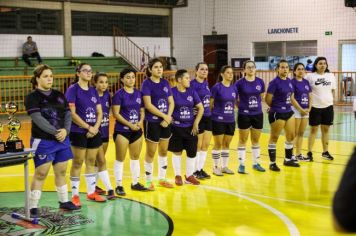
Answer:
(29, 49)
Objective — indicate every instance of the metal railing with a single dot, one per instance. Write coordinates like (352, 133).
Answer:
(15, 88)
(129, 50)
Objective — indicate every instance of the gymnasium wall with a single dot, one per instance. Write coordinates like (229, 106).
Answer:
(52, 45)
(247, 21)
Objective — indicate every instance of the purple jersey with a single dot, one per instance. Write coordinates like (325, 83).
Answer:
(249, 93)
(159, 93)
(105, 101)
(301, 92)
(204, 94)
(85, 105)
(183, 107)
(224, 103)
(130, 105)
(282, 91)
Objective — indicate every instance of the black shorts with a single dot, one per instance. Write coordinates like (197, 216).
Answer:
(273, 116)
(154, 131)
(250, 121)
(131, 136)
(321, 116)
(205, 124)
(104, 140)
(183, 140)
(81, 140)
(220, 128)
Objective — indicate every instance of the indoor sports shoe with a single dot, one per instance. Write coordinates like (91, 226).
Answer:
(95, 197)
(111, 195)
(204, 174)
(301, 157)
(191, 180)
(326, 155)
(258, 167)
(291, 163)
(274, 167)
(164, 183)
(149, 185)
(310, 156)
(138, 187)
(294, 159)
(34, 213)
(76, 201)
(69, 206)
(178, 180)
(99, 190)
(120, 191)
(217, 171)
(226, 170)
(197, 174)
(241, 169)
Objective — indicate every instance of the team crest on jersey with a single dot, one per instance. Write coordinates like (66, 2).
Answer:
(165, 89)
(42, 156)
(290, 85)
(234, 95)
(258, 87)
(94, 100)
(107, 104)
(138, 100)
(190, 98)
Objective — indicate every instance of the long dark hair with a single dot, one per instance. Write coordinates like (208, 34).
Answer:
(316, 62)
(150, 65)
(37, 72)
(296, 66)
(124, 72)
(77, 70)
(222, 71)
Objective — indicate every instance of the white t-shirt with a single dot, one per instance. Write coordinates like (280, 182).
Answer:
(322, 86)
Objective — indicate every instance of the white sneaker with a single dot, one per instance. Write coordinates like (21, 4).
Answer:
(217, 171)
(226, 170)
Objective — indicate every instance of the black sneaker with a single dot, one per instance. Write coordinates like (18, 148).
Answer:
(69, 206)
(290, 162)
(310, 156)
(204, 174)
(138, 187)
(274, 167)
(198, 175)
(111, 195)
(34, 213)
(326, 155)
(120, 191)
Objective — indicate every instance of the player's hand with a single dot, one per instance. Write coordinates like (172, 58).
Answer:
(195, 129)
(61, 135)
(164, 124)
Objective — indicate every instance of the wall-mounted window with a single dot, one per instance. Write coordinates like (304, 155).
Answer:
(30, 21)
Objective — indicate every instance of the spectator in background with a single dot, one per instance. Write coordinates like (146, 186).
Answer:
(29, 49)
(309, 66)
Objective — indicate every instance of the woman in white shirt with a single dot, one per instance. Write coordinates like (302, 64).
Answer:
(323, 85)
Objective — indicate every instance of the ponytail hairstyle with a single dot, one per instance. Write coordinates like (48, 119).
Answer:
(97, 75)
(37, 72)
(296, 66)
(316, 62)
(222, 71)
(124, 72)
(77, 70)
(180, 73)
(198, 65)
(280, 62)
(150, 65)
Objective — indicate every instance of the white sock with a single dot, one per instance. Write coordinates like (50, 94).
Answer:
(162, 167)
(190, 166)
(91, 183)
(35, 196)
(118, 172)
(176, 160)
(75, 181)
(216, 157)
(224, 158)
(135, 171)
(62, 193)
(197, 161)
(241, 153)
(104, 176)
(202, 159)
(255, 154)
(96, 170)
(148, 171)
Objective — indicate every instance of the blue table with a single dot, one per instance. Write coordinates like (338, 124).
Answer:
(17, 158)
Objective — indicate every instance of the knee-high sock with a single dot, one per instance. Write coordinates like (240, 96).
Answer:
(224, 158)
(62, 193)
(35, 196)
(91, 183)
(118, 172)
(75, 181)
(288, 147)
(241, 152)
(190, 166)
(135, 170)
(272, 152)
(255, 154)
(104, 176)
(202, 158)
(176, 161)
(216, 157)
(148, 171)
(162, 167)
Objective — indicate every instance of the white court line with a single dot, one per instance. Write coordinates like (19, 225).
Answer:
(292, 228)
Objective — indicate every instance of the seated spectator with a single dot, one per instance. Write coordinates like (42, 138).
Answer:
(29, 49)
(309, 66)
(344, 204)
